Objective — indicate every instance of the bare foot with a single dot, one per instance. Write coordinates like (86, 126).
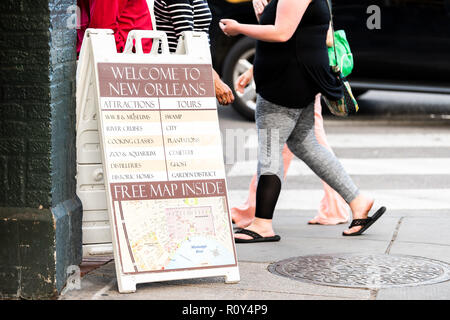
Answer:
(326, 223)
(261, 226)
(314, 221)
(243, 216)
(241, 221)
(360, 210)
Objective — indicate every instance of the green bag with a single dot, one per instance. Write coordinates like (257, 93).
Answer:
(343, 53)
(346, 105)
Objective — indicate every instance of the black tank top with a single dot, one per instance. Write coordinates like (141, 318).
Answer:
(291, 73)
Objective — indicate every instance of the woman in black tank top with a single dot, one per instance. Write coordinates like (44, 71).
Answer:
(291, 67)
(291, 63)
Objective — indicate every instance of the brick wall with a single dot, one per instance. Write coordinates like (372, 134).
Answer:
(25, 96)
(62, 77)
(39, 209)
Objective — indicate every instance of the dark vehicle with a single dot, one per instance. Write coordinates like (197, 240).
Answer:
(397, 45)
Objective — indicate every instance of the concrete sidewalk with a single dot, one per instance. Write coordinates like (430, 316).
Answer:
(415, 233)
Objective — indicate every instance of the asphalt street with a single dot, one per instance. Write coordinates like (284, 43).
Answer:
(397, 150)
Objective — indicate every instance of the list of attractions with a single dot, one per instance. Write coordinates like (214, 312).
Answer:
(164, 166)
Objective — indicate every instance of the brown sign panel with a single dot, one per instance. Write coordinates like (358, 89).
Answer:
(155, 80)
(159, 127)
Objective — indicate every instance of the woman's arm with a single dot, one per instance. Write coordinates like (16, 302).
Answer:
(330, 35)
(243, 80)
(182, 15)
(223, 92)
(258, 6)
(289, 15)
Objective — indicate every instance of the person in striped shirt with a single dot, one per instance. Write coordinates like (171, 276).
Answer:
(175, 16)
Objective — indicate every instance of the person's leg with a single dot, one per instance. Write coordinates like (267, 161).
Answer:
(326, 166)
(274, 124)
(332, 209)
(244, 214)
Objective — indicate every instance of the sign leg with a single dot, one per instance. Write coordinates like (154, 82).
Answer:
(127, 286)
(232, 276)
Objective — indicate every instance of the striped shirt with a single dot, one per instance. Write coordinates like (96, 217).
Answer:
(176, 16)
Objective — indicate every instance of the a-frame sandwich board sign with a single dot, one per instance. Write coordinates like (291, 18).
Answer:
(162, 158)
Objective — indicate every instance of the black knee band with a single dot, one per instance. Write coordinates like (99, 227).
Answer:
(267, 192)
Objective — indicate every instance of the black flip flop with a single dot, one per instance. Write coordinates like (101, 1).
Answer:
(364, 223)
(255, 237)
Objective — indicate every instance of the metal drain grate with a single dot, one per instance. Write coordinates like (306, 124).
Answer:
(363, 271)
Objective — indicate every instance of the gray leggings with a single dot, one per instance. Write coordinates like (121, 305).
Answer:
(278, 125)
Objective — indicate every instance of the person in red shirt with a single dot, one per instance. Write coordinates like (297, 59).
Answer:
(83, 14)
(121, 16)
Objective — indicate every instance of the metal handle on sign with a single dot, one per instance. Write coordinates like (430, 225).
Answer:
(138, 35)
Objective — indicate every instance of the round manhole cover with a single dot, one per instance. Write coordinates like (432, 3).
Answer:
(363, 271)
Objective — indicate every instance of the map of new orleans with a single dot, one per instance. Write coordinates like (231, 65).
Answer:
(171, 234)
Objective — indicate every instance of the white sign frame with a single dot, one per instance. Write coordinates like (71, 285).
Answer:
(99, 47)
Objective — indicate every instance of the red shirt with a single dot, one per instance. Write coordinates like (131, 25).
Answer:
(83, 20)
(122, 16)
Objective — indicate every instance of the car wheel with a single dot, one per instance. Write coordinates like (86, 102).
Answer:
(239, 60)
